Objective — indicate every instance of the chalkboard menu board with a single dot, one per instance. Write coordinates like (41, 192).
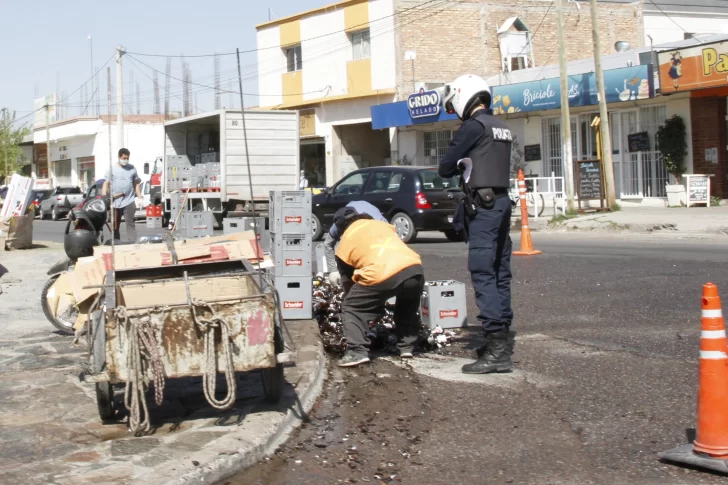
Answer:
(639, 142)
(532, 153)
(590, 180)
(698, 189)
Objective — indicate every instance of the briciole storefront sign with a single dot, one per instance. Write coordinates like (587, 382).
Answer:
(623, 84)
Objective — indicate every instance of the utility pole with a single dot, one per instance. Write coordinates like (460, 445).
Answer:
(91, 59)
(5, 129)
(119, 96)
(565, 114)
(604, 125)
(108, 95)
(48, 144)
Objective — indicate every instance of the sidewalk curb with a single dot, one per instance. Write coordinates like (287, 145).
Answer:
(227, 465)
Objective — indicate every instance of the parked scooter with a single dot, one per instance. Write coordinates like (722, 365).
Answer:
(84, 231)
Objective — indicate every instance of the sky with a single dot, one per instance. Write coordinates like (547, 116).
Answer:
(45, 39)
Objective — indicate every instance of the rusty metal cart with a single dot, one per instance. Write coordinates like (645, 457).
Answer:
(184, 320)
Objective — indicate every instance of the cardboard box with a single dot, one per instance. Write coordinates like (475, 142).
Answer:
(60, 295)
(174, 292)
(88, 272)
(16, 232)
(18, 197)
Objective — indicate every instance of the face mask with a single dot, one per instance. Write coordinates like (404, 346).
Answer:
(123, 162)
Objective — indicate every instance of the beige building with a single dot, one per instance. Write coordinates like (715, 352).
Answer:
(336, 62)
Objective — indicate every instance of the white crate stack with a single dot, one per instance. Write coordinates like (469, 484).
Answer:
(291, 250)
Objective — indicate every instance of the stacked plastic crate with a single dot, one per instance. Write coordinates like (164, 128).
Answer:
(290, 247)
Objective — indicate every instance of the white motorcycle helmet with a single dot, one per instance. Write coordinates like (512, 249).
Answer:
(464, 93)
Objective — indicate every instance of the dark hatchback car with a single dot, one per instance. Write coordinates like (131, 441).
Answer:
(37, 197)
(413, 199)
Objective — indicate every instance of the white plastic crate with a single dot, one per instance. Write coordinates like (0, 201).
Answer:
(295, 296)
(242, 224)
(154, 222)
(290, 212)
(291, 254)
(443, 303)
(196, 224)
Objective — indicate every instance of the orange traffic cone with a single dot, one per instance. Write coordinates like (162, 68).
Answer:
(712, 428)
(710, 448)
(526, 243)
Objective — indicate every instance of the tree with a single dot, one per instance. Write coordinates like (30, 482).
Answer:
(517, 162)
(672, 143)
(10, 139)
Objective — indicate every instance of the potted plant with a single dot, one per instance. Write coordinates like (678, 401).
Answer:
(672, 142)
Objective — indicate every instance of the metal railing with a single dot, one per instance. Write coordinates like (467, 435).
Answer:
(541, 192)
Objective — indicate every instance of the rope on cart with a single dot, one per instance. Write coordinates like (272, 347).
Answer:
(141, 352)
(207, 327)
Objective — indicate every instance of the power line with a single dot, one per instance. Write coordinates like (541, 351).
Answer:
(339, 47)
(671, 19)
(212, 88)
(278, 47)
(530, 39)
(65, 99)
(347, 45)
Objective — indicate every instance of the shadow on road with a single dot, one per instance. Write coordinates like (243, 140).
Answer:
(184, 402)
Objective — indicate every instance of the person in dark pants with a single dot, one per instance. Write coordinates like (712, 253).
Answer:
(126, 187)
(486, 141)
(375, 266)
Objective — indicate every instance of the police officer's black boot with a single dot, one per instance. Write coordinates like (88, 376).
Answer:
(496, 356)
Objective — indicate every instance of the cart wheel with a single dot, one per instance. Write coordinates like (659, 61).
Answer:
(105, 400)
(273, 376)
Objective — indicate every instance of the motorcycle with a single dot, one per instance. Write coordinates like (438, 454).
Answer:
(84, 231)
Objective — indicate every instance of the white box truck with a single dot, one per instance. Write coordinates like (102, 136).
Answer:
(217, 137)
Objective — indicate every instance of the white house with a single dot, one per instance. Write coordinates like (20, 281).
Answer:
(80, 152)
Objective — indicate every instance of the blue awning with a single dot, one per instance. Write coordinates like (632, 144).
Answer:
(621, 85)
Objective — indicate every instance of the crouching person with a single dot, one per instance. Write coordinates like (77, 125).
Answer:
(377, 266)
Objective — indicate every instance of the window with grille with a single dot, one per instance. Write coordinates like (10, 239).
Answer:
(293, 56)
(436, 143)
(361, 45)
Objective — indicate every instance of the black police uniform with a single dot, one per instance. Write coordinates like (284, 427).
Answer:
(487, 142)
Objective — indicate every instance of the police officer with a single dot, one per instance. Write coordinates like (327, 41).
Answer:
(333, 237)
(486, 141)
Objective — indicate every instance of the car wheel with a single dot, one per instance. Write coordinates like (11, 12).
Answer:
(405, 227)
(54, 213)
(317, 229)
(454, 236)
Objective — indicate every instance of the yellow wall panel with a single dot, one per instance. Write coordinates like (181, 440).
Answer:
(356, 17)
(290, 33)
(292, 87)
(359, 76)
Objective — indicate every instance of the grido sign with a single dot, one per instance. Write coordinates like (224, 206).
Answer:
(424, 104)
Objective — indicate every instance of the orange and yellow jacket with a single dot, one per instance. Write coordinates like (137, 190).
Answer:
(375, 252)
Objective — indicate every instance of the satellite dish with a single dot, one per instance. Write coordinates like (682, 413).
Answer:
(622, 45)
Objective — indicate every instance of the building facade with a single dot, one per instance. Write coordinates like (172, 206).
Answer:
(698, 72)
(675, 20)
(333, 64)
(336, 62)
(79, 148)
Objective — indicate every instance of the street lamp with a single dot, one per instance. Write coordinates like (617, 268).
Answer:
(622, 45)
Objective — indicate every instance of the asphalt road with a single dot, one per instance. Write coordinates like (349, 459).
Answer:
(608, 333)
(606, 377)
(53, 231)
